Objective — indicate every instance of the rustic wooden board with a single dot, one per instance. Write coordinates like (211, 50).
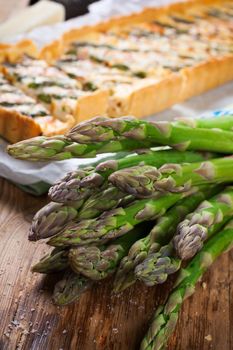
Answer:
(99, 321)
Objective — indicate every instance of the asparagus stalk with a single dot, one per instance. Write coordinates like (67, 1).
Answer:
(82, 183)
(99, 262)
(158, 266)
(203, 223)
(44, 148)
(51, 219)
(70, 288)
(160, 235)
(144, 181)
(225, 122)
(56, 261)
(114, 223)
(65, 189)
(115, 135)
(166, 316)
(173, 134)
(54, 217)
(105, 199)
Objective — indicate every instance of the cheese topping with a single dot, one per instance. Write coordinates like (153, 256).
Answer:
(14, 99)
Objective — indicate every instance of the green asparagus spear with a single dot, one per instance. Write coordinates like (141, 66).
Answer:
(68, 190)
(160, 235)
(144, 181)
(51, 219)
(114, 223)
(56, 261)
(225, 122)
(103, 200)
(99, 262)
(65, 189)
(203, 223)
(82, 183)
(166, 316)
(153, 157)
(114, 135)
(173, 134)
(157, 267)
(44, 148)
(70, 288)
(82, 171)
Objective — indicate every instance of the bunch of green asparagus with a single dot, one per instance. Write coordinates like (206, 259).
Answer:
(140, 216)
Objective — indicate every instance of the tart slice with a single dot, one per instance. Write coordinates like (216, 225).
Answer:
(21, 117)
(60, 94)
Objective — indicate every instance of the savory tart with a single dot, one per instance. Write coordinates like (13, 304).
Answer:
(138, 64)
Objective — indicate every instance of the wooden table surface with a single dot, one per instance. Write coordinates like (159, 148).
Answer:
(99, 320)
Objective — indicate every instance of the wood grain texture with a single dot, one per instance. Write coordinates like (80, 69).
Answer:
(99, 321)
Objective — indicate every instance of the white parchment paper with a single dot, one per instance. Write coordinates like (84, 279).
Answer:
(29, 173)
